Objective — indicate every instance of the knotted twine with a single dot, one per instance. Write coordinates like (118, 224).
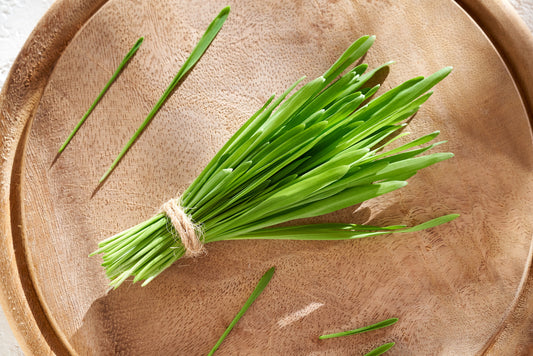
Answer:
(188, 232)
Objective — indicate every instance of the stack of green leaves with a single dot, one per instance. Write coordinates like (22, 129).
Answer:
(324, 148)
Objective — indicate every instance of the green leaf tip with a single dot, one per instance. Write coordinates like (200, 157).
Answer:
(225, 11)
(139, 42)
(443, 73)
(376, 326)
(203, 44)
(433, 223)
(381, 349)
(270, 272)
(265, 279)
(115, 75)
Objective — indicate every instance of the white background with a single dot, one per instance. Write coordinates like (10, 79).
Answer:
(17, 19)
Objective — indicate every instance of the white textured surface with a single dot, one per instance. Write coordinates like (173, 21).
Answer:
(17, 19)
(525, 10)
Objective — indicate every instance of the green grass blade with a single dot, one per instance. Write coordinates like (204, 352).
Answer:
(381, 349)
(432, 223)
(287, 196)
(407, 166)
(195, 55)
(219, 178)
(219, 157)
(381, 324)
(417, 142)
(308, 233)
(325, 97)
(337, 226)
(348, 157)
(364, 78)
(348, 197)
(204, 204)
(330, 232)
(299, 156)
(291, 105)
(342, 200)
(269, 165)
(115, 75)
(257, 291)
(239, 145)
(354, 52)
(346, 85)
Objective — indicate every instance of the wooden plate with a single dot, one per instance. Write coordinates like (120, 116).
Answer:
(461, 289)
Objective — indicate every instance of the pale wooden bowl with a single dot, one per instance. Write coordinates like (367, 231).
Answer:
(464, 288)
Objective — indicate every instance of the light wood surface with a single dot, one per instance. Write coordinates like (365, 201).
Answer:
(464, 288)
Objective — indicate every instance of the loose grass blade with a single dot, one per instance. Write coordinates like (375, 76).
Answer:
(195, 55)
(115, 75)
(381, 324)
(257, 291)
(381, 349)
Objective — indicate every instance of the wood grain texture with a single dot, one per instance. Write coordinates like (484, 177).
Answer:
(19, 98)
(464, 288)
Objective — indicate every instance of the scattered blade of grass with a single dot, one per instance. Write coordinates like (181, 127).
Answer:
(381, 324)
(432, 223)
(195, 55)
(381, 349)
(258, 289)
(115, 75)
(331, 232)
(354, 52)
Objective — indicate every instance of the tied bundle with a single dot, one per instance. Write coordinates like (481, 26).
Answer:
(324, 148)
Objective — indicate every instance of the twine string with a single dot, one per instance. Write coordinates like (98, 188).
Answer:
(188, 232)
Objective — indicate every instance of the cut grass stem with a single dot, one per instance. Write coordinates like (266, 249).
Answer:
(115, 75)
(257, 291)
(194, 57)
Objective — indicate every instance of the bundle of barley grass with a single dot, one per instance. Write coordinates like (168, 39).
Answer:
(308, 154)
